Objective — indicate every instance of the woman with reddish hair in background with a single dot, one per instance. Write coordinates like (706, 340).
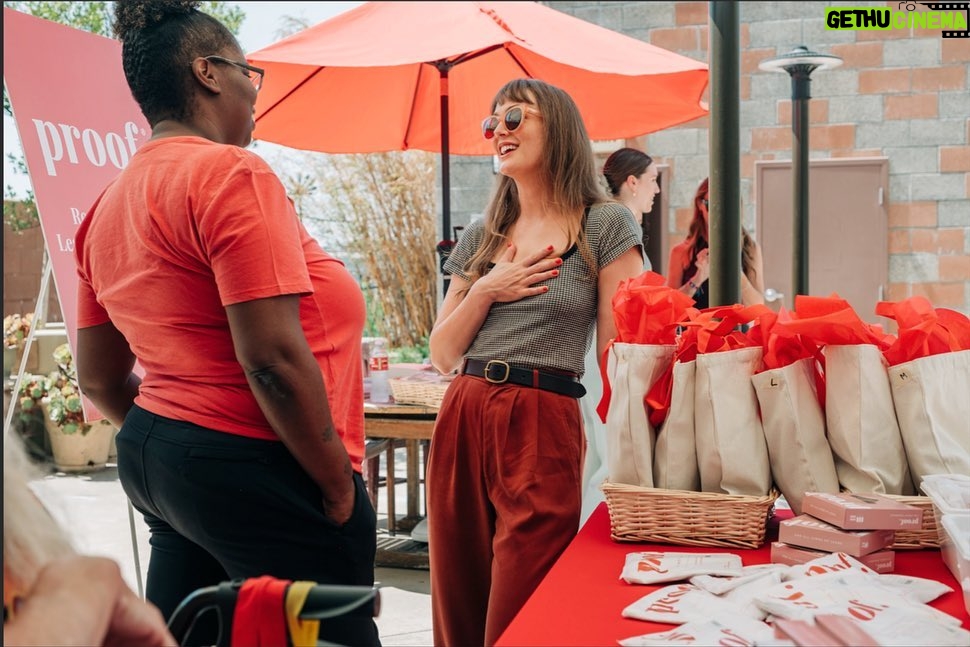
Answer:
(689, 268)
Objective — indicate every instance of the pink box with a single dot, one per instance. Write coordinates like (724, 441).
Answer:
(848, 631)
(862, 511)
(804, 633)
(881, 561)
(809, 532)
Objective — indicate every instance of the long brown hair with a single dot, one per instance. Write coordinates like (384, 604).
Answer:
(697, 238)
(569, 170)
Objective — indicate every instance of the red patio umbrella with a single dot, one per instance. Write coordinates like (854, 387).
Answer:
(390, 76)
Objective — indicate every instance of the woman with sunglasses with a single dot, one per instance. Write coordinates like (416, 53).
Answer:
(689, 268)
(531, 283)
(242, 443)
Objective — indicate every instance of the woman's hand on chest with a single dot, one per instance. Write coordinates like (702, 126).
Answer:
(515, 276)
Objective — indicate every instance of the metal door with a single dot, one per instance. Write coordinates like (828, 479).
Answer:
(848, 230)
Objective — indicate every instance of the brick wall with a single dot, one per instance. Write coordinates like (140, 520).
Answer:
(901, 93)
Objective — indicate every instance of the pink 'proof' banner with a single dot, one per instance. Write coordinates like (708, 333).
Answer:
(79, 126)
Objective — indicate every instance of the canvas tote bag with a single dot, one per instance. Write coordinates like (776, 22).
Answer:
(931, 397)
(732, 454)
(861, 419)
(794, 423)
(675, 454)
(631, 370)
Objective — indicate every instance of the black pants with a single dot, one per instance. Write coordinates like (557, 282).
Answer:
(221, 506)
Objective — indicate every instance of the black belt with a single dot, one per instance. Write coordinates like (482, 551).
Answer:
(498, 372)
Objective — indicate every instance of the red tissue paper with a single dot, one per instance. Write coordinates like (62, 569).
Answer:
(645, 311)
(832, 321)
(717, 328)
(710, 330)
(781, 345)
(923, 329)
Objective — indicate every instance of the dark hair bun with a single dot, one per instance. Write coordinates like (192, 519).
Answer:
(132, 16)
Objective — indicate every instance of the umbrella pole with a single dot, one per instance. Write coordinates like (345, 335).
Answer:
(445, 165)
(445, 170)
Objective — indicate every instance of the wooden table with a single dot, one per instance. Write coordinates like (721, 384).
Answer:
(412, 424)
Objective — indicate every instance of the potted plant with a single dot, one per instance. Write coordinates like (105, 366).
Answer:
(76, 445)
(15, 331)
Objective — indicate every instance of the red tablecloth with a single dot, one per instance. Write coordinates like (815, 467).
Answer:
(580, 600)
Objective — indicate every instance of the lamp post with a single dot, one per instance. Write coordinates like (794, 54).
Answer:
(799, 64)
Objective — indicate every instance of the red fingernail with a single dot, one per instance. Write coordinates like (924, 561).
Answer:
(555, 272)
(558, 261)
(550, 248)
(545, 288)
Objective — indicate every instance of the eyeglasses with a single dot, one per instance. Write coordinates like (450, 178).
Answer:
(513, 118)
(254, 74)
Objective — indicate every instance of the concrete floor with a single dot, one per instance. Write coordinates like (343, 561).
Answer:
(95, 509)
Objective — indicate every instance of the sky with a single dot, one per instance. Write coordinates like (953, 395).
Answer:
(260, 27)
(262, 23)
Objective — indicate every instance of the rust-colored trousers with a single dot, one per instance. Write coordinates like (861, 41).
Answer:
(504, 491)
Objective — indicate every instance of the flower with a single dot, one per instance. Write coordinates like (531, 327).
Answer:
(65, 364)
(58, 393)
(33, 390)
(65, 409)
(15, 329)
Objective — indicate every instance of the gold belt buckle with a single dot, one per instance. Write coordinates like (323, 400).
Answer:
(499, 364)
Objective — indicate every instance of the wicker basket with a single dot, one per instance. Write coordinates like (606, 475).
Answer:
(687, 518)
(928, 536)
(425, 390)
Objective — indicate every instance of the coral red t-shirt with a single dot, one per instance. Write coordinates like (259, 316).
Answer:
(188, 228)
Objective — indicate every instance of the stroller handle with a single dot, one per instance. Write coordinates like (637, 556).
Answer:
(323, 601)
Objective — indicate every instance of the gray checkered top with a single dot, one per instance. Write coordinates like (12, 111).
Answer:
(553, 330)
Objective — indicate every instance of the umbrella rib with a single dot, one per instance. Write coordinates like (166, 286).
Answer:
(291, 91)
(467, 56)
(414, 103)
(518, 62)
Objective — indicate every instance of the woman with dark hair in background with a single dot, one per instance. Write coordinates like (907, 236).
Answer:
(242, 445)
(689, 268)
(631, 177)
(530, 284)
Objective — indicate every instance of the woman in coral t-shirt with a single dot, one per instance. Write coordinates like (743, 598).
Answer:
(242, 443)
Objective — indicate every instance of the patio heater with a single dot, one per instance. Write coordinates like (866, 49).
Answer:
(799, 64)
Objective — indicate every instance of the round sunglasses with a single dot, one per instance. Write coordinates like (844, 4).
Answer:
(513, 118)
